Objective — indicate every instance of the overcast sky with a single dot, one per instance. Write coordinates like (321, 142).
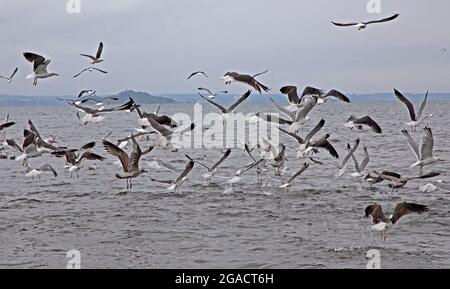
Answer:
(154, 45)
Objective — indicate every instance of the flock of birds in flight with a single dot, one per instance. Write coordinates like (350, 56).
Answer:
(269, 155)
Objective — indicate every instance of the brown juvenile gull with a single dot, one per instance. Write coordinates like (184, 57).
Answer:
(130, 164)
(382, 223)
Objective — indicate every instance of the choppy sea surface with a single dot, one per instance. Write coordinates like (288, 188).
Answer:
(317, 223)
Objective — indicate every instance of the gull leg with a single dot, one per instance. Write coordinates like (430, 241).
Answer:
(131, 183)
(384, 235)
(421, 171)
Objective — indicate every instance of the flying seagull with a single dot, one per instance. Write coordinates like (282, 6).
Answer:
(130, 163)
(322, 96)
(418, 118)
(175, 185)
(247, 79)
(381, 222)
(74, 157)
(97, 58)
(225, 110)
(88, 92)
(35, 173)
(359, 123)
(11, 77)
(6, 125)
(210, 171)
(39, 67)
(424, 154)
(301, 116)
(294, 176)
(210, 94)
(96, 115)
(90, 69)
(396, 180)
(197, 73)
(360, 168)
(363, 25)
(161, 119)
(351, 151)
(307, 145)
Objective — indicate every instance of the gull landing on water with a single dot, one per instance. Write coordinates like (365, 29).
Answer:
(175, 185)
(418, 118)
(35, 173)
(97, 58)
(210, 171)
(39, 67)
(11, 77)
(363, 25)
(382, 223)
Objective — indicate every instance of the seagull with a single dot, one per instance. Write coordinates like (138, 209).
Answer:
(39, 67)
(301, 117)
(294, 176)
(230, 108)
(363, 25)
(98, 103)
(6, 125)
(212, 95)
(165, 132)
(418, 118)
(322, 96)
(89, 69)
(269, 118)
(97, 58)
(145, 116)
(351, 151)
(210, 171)
(197, 73)
(35, 173)
(381, 222)
(32, 146)
(295, 102)
(74, 157)
(175, 185)
(307, 145)
(237, 176)
(359, 123)
(424, 154)
(12, 75)
(397, 181)
(96, 115)
(360, 168)
(88, 92)
(247, 79)
(130, 163)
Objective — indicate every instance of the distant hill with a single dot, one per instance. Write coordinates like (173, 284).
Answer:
(22, 100)
(146, 98)
(143, 97)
